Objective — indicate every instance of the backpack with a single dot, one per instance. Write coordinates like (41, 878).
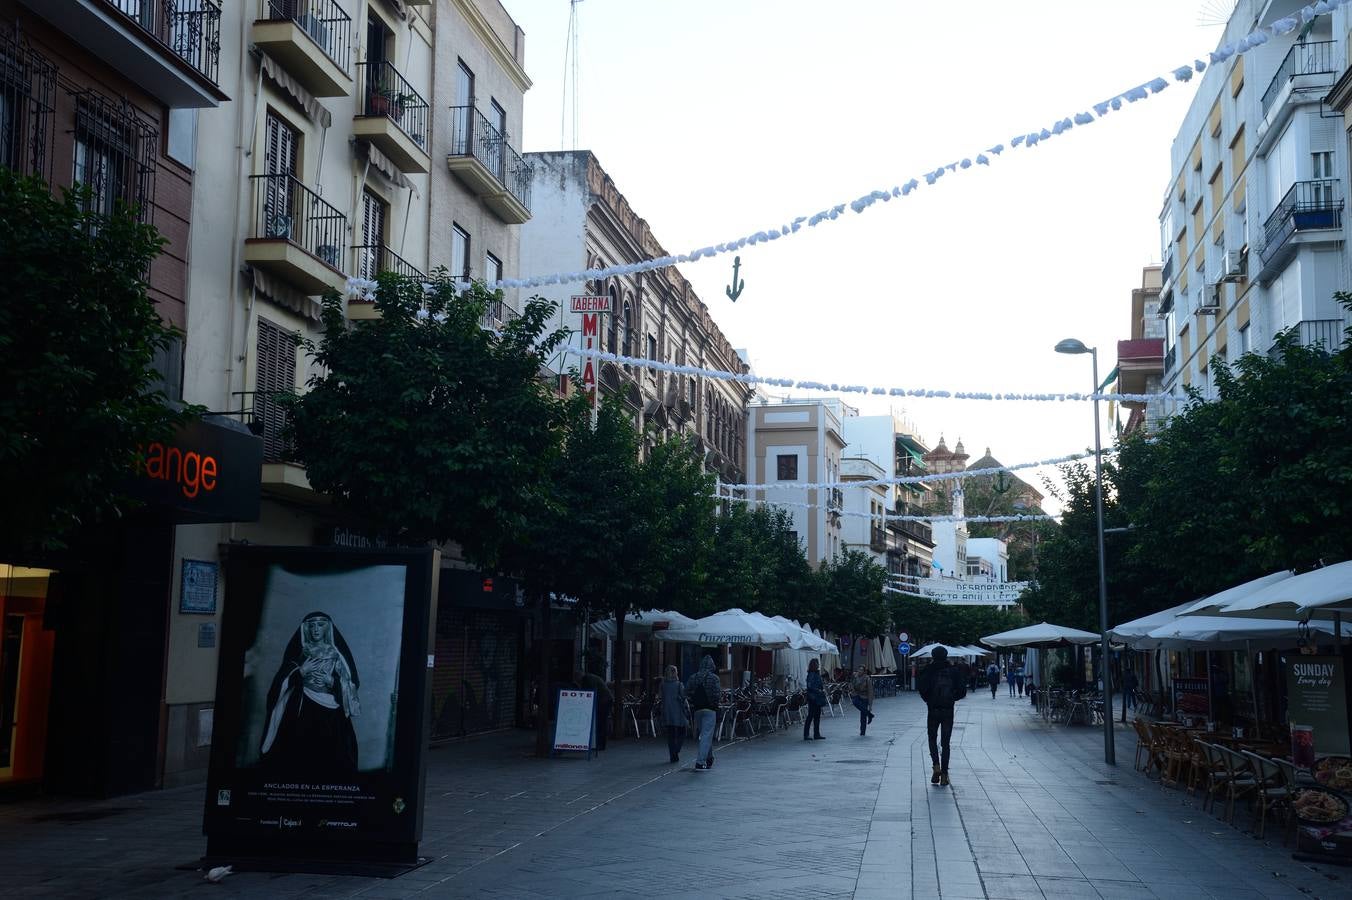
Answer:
(942, 693)
(699, 697)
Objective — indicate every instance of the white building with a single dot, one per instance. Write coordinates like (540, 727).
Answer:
(987, 559)
(1252, 229)
(862, 526)
(800, 441)
(889, 442)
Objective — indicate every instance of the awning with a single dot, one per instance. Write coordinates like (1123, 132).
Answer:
(1042, 634)
(283, 294)
(303, 99)
(641, 625)
(733, 626)
(1318, 594)
(383, 164)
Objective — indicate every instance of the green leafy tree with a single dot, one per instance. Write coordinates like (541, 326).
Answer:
(427, 426)
(78, 335)
(757, 564)
(852, 589)
(927, 621)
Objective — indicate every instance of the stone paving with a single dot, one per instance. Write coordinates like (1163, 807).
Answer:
(1033, 812)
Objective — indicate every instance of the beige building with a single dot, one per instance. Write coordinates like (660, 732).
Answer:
(801, 441)
(582, 221)
(1140, 358)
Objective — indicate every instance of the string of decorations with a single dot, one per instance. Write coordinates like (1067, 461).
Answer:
(1033, 138)
(806, 385)
(911, 479)
(892, 517)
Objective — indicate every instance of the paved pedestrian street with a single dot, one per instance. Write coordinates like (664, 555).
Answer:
(1032, 812)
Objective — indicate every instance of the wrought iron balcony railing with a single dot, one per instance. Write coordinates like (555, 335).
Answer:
(189, 29)
(1168, 270)
(473, 135)
(1329, 334)
(1170, 357)
(323, 20)
(286, 209)
(27, 98)
(1313, 58)
(372, 259)
(385, 92)
(1308, 205)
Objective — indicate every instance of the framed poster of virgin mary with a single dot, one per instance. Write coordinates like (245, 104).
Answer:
(321, 710)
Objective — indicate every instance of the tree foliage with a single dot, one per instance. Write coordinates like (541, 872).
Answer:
(927, 621)
(1257, 480)
(757, 564)
(852, 594)
(426, 425)
(78, 336)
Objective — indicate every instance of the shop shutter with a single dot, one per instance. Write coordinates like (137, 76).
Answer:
(474, 681)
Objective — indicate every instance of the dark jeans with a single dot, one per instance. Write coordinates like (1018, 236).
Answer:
(813, 721)
(862, 705)
(994, 685)
(675, 738)
(940, 717)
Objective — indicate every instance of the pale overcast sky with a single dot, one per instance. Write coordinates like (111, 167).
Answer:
(718, 118)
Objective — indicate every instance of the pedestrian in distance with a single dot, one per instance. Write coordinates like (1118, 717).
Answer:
(673, 712)
(704, 689)
(941, 686)
(592, 681)
(816, 699)
(993, 678)
(1129, 686)
(1018, 679)
(1010, 675)
(861, 695)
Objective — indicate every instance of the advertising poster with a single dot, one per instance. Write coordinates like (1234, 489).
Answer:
(321, 704)
(1192, 698)
(575, 723)
(1316, 699)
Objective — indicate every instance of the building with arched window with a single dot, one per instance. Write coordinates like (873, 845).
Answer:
(582, 221)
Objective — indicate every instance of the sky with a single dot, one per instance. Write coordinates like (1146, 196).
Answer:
(718, 118)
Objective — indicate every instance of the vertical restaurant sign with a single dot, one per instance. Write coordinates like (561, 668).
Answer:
(1191, 697)
(1316, 697)
(591, 306)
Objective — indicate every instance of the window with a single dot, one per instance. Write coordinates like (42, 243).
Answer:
(1245, 338)
(492, 268)
(787, 464)
(459, 252)
(627, 335)
(1321, 170)
(462, 123)
(652, 349)
(181, 143)
(496, 142)
(275, 376)
(370, 258)
(281, 150)
(27, 83)
(114, 155)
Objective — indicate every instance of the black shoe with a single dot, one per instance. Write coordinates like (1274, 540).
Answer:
(674, 759)
(699, 767)
(861, 732)
(709, 763)
(818, 737)
(943, 779)
(871, 717)
(934, 779)
(806, 738)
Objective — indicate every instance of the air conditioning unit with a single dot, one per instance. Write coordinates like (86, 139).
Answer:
(1212, 295)
(1234, 265)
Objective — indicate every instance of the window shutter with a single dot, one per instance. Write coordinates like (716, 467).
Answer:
(276, 373)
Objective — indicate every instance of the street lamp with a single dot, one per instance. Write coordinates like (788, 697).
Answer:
(1071, 345)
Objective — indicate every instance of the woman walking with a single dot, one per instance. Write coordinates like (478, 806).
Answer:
(816, 699)
(861, 694)
(673, 712)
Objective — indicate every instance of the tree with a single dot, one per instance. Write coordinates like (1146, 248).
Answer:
(852, 587)
(1257, 480)
(78, 336)
(426, 425)
(981, 497)
(927, 621)
(757, 564)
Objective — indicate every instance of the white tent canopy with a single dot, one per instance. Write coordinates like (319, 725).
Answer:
(975, 650)
(1043, 634)
(802, 637)
(1228, 633)
(1317, 594)
(927, 651)
(1130, 632)
(640, 625)
(732, 626)
(1208, 605)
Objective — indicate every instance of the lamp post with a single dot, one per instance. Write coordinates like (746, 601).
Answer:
(1071, 345)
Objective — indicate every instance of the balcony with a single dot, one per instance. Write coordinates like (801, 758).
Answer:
(368, 261)
(1309, 206)
(296, 235)
(1327, 334)
(481, 158)
(1167, 271)
(393, 116)
(917, 531)
(312, 38)
(171, 48)
(1170, 358)
(1314, 58)
(1138, 360)
(877, 539)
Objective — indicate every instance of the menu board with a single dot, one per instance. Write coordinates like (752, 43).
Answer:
(575, 724)
(1316, 702)
(1191, 698)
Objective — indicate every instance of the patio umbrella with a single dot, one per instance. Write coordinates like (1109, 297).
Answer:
(1321, 594)
(641, 625)
(1229, 632)
(802, 638)
(1042, 634)
(976, 651)
(889, 655)
(732, 626)
(1208, 605)
(1130, 632)
(927, 651)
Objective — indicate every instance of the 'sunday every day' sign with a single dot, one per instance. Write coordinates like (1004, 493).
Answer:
(1317, 701)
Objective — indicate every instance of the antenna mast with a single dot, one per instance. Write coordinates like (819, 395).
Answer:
(571, 71)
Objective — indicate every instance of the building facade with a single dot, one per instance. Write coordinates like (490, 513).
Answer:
(950, 538)
(104, 94)
(1140, 358)
(890, 443)
(863, 518)
(582, 221)
(1252, 230)
(800, 441)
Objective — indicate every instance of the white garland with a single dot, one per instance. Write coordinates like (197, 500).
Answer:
(799, 384)
(910, 479)
(1142, 91)
(891, 517)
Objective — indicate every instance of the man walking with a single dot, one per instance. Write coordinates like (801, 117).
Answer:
(993, 678)
(704, 689)
(941, 685)
(1011, 674)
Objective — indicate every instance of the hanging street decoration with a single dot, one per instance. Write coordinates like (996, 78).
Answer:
(734, 290)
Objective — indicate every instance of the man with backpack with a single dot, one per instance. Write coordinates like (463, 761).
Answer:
(993, 678)
(704, 690)
(941, 686)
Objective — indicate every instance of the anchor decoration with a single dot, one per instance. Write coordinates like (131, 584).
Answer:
(734, 290)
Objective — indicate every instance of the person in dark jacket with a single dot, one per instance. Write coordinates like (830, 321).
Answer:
(816, 699)
(704, 691)
(592, 681)
(861, 695)
(941, 686)
(673, 712)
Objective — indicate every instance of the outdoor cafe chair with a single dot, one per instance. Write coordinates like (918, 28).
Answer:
(1293, 778)
(1142, 745)
(1215, 773)
(1203, 770)
(1239, 779)
(1177, 756)
(1272, 790)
